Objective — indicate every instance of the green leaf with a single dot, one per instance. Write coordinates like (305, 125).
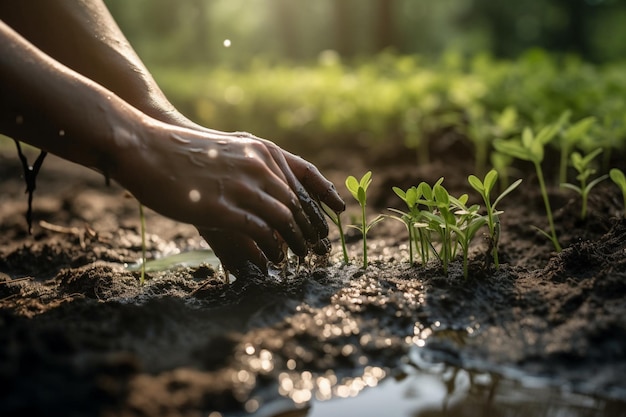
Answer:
(353, 186)
(618, 178)
(590, 156)
(512, 148)
(411, 197)
(596, 182)
(490, 180)
(505, 192)
(547, 133)
(400, 193)
(578, 130)
(572, 187)
(366, 180)
(441, 196)
(476, 184)
(361, 196)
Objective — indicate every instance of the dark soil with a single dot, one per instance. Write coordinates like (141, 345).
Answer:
(80, 336)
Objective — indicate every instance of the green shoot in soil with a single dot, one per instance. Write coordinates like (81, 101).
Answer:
(468, 222)
(413, 220)
(143, 245)
(336, 219)
(569, 138)
(358, 189)
(582, 166)
(484, 188)
(530, 147)
(442, 220)
(618, 177)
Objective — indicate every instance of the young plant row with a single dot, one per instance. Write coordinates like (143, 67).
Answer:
(408, 99)
(439, 225)
(442, 226)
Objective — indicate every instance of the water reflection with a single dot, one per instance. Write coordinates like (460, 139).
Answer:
(428, 390)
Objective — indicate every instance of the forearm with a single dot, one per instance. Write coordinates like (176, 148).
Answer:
(49, 106)
(82, 35)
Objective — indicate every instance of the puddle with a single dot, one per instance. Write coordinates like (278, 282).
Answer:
(189, 259)
(428, 390)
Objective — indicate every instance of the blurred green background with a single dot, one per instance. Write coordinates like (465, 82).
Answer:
(395, 73)
(186, 31)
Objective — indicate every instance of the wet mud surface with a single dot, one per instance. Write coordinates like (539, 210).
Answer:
(80, 336)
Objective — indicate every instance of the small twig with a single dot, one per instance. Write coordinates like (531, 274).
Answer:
(81, 233)
(11, 281)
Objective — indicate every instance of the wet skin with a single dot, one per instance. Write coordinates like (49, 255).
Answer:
(71, 84)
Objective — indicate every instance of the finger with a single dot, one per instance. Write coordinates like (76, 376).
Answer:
(322, 248)
(234, 250)
(310, 206)
(285, 195)
(312, 179)
(270, 236)
(278, 217)
(305, 211)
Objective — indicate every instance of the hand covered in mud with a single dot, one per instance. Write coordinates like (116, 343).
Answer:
(248, 198)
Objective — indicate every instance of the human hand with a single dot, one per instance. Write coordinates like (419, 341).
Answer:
(248, 198)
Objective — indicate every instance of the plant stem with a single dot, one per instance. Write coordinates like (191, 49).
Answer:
(411, 240)
(143, 245)
(343, 239)
(546, 201)
(364, 230)
(492, 232)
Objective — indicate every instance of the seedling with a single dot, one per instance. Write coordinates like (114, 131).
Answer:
(484, 188)
(413, 220)
(582, 166)
(441, 220)
(468, 224)
(358, 189)
(569, 138)
(336, 219)
(530, 147)
(143, 245)
(618, 177)
(483, 129)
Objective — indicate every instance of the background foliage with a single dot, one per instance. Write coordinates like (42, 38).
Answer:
(399, 72)
(166, 31)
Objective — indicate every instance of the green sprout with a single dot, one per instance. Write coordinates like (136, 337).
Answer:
(484, 188)
(358, 189)
(618, 177)
(530, 147)
(413, 220)
(143, 245)
(336, 219)
(441, 220)
(570, 138)
(467, 225)
(481, 130)
(582, 166)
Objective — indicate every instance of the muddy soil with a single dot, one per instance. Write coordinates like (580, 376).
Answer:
(80, 336)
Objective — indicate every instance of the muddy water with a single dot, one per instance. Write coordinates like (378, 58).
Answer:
(421, 388)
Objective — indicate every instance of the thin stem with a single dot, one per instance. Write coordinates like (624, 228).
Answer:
(546, 201)
(143, 245)
(411, 240)
(343, 239)
(364, 232)
(492, 231)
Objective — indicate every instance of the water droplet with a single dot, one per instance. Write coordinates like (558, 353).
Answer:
(61, 132)
(227, 43)
(252, 405)
(194, 196)
(212, 153)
